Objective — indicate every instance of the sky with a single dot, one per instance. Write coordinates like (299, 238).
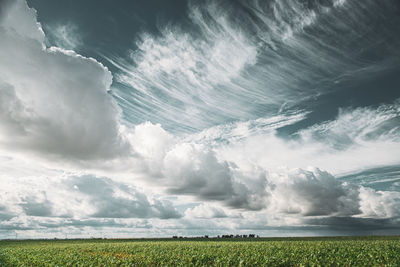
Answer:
(158, 118)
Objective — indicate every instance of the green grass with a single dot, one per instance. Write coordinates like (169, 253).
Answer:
(336, 251)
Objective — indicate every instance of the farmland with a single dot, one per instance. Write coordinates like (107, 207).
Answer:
(350, 251)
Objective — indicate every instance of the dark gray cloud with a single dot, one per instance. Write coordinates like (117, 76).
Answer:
(5, 214)
(34, 207)
(356, 225)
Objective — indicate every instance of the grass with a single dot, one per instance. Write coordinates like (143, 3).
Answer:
(333, 251)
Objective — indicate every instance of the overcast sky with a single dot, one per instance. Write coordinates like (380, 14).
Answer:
(159, 118)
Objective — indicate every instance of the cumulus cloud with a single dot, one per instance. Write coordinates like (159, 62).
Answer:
(210, 211)
(151, 143)
(379, 204)
(193, 169)
(113, 200)
(205, 211)
(78, 197)
(242, 165)
(18, 17)
(190, 168)
(312, 193)
(53, 100)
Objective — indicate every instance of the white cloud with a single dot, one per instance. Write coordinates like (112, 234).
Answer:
(113, 200)
(52, 100)
(17, 17)
(192, 71)
(379, 204)
(151, 142)
(211, 211)
(79, 197)
(191, 168)
(345, 144)
(243, 169)
(65, 36)
(358, 127)
(231, 63)
(311, 193)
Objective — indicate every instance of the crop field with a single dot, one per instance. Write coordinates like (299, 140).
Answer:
(339, 251)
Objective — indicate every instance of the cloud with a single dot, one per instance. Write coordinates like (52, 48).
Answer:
(186, 69)
(213, 210)
(379, 204)
(53, 101)
(342, 145)
(5, 215)
(205, 211)
(57, 104)
(190, 168)
(312, 193)
(385, 178)
(193, 169)
(355, 127)
(65, 36)
(78, 197)
(33, 207)
(244, 60)
(113, 200)
(16, 16)
(245, 165)
(151, 143)
(364, 226)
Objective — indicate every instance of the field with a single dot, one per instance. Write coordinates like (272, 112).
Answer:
(341, 251)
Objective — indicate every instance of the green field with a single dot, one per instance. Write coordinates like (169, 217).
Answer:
(341, 251)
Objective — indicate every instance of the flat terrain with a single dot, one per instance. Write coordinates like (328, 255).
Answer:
(341, 251)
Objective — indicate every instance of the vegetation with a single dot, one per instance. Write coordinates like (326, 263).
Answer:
(339, 251)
